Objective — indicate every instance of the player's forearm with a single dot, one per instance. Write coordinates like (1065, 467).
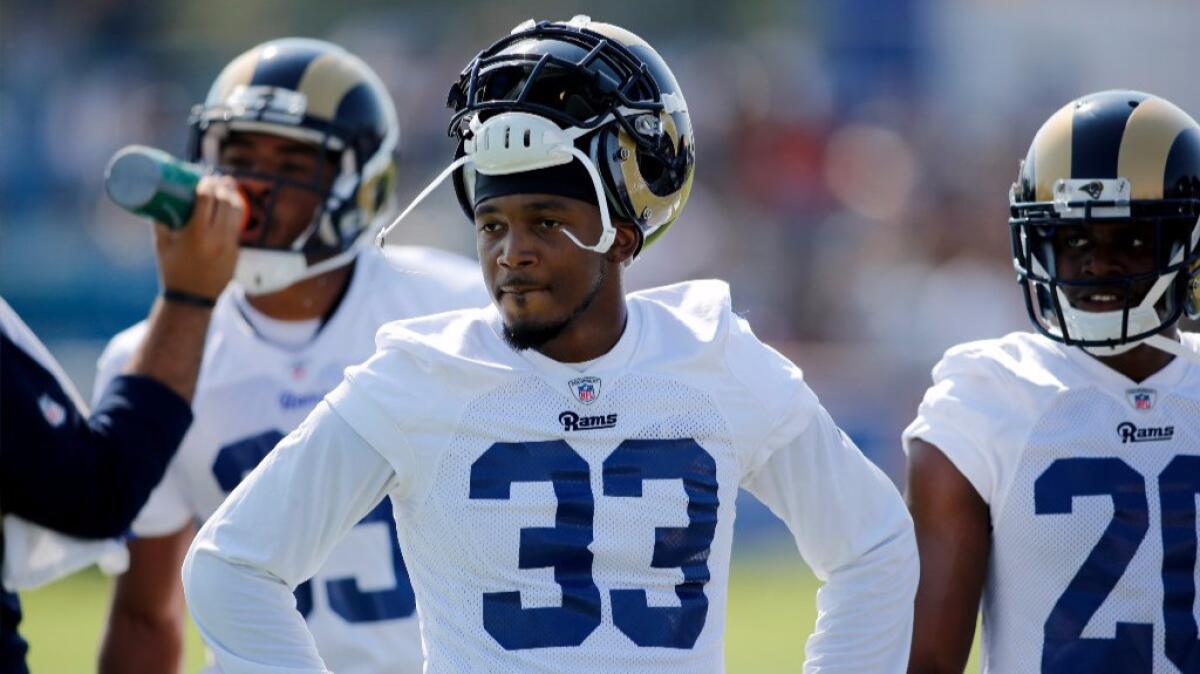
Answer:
(852, 527)
(865, 610)
(138, 644)
(953, 526)
(173, 346)
(273, 532)
(942, 632)
(246, 616)
(107, 463)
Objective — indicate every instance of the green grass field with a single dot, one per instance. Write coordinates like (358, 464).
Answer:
(771, 613)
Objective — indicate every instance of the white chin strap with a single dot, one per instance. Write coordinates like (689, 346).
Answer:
(516, 142)
(262, 272)
(1173, 347)
(1096, 325)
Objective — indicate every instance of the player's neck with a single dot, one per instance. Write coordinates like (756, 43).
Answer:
(1142, 362)
(306, 300)
(594, 332)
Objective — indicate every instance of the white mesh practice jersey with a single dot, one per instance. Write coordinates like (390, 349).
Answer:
(1091, 480)
(251, 393)
(565, 520)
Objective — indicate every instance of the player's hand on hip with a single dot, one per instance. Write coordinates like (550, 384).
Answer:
(200, 257)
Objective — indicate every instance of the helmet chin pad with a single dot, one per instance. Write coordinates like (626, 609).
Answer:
(1092, 326)
(262, 272)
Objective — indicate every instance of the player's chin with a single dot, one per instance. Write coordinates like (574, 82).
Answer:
(531, 334)
(531, 306)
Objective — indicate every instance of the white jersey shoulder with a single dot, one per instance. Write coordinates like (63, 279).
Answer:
(1088, 476)
(986, 395)
(695, 336)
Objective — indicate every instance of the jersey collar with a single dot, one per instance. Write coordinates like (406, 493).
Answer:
(615, 360)
(1170, 376)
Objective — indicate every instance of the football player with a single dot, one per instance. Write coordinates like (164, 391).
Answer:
(309, 133)
(1056, 472)
(563, 465)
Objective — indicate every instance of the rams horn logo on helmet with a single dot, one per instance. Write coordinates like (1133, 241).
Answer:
(1094, 189)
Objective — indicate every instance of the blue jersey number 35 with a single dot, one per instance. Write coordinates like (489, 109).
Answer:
(354, 605)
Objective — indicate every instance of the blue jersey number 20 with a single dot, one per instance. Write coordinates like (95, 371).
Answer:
(1128, 652)
(564, 547)
(237, 459)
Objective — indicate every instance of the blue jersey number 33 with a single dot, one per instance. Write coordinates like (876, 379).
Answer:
(565, 546)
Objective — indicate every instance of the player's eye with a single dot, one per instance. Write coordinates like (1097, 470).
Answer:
(1077, 241)
(489, 226)
(548, 223)
(296, 170)
(235, 163)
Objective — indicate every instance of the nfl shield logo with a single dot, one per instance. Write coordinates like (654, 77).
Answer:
(585, 389)
(1140, 398)
(54, 413)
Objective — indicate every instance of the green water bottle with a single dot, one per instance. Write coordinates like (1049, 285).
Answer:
(149, 182)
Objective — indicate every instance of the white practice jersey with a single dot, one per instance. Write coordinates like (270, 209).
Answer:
(1091, 480)
(251, 393)
(565, 520)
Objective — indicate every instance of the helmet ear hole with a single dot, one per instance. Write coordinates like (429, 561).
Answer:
(652, 171)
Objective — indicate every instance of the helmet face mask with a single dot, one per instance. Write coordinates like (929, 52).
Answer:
(1105, 229)
(319, 95)
(567, 73)
(1068, 300)
(287, 184)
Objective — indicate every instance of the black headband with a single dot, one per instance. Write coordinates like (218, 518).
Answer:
(568, 180)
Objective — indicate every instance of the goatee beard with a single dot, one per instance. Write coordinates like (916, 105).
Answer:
(535, 335)
(527, 336)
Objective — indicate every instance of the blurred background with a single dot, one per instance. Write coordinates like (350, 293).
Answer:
(854, 159)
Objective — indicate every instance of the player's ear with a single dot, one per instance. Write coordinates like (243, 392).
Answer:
(626, 244)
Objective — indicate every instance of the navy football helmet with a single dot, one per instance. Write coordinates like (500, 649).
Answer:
(1110, 159)
(554, 92)
(318, 93)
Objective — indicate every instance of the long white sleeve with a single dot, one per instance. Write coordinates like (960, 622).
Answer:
(272, 533)
(853, 530)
